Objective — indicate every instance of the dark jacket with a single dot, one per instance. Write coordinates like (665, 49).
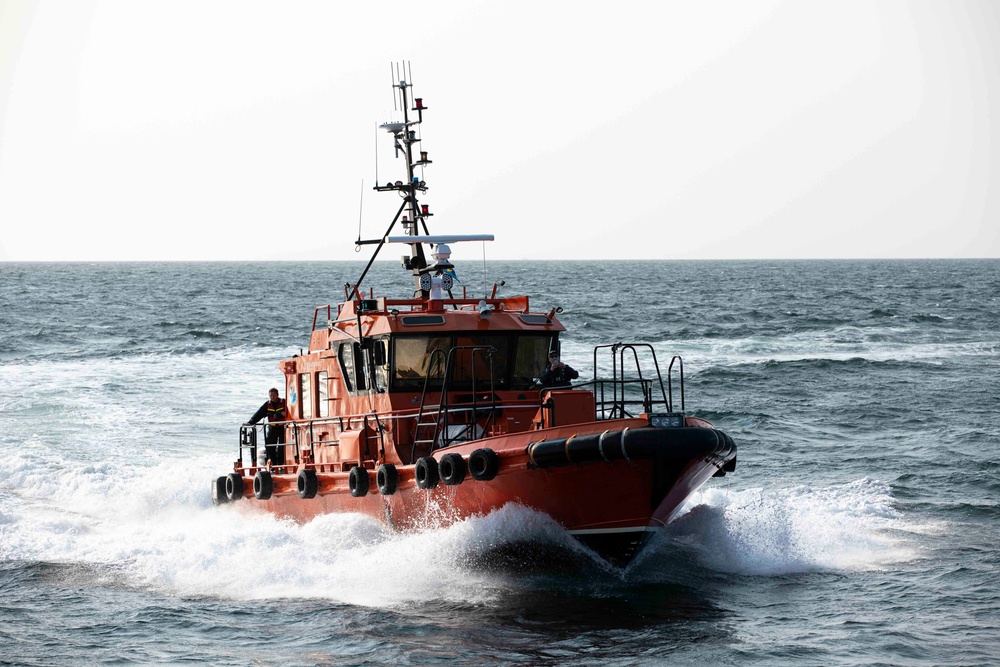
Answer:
(275, 412)
(558, 377)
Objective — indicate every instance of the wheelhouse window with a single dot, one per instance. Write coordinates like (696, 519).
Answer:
(353, 367)
(305, 397)
(417, 357)
(530, 358)
(478, 358)
(514, 360)
(346, 356)
(380, 363)
(323, 390)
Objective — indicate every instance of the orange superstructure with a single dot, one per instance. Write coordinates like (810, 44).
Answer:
(403, 408)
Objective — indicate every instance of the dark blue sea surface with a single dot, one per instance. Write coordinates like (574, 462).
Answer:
(860, 527)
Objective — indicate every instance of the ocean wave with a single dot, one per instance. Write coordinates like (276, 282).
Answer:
(928, 318)
(800, 529)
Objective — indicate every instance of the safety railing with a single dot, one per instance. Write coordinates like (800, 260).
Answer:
(447, 412)
(614, 398)
(628, 393)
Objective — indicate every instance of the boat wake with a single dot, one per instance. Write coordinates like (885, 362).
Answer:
(778, 531)
(127, 529)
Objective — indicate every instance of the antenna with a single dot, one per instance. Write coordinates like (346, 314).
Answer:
(361, 209)
(395, 82)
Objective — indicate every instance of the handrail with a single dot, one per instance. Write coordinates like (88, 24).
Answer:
(670, 372)
(619, 383)
(445, 408)
(316, 314)
(423, 398)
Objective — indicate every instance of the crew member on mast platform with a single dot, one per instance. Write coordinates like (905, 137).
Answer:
(556, 373)
(276, 411)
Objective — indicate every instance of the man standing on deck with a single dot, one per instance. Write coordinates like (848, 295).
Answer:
(275, 411)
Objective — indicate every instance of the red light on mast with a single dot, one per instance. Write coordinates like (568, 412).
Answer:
(420, 102)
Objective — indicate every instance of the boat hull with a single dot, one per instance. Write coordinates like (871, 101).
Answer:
(611, 487)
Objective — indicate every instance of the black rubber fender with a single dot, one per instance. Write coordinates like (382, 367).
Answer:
(263, 485)
(484, 464)
(307, 483)
(426, 472)
(219, 491)
(452, 468)
(234, 486)
(387, 479)
(631, 444)
(359, 482)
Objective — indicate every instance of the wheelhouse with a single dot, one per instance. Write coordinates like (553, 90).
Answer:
(478, 361)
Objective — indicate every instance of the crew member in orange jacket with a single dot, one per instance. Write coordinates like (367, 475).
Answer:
(276, 411)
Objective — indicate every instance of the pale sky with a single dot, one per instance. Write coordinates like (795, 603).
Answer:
(199, 130)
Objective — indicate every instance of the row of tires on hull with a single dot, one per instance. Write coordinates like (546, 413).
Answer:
(451, 470)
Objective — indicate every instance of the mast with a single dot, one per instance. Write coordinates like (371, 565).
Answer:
(415, 218)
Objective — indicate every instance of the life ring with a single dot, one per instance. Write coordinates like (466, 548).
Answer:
(234, 486)
(484, 464)
(263, 485)
(219, 491)
(452, 469)
(306, 483)
(358, 481)
(426, 472)
(387, 479)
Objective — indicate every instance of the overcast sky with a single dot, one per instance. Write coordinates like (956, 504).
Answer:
(655, 130)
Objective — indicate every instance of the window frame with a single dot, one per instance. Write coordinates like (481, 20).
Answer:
(305, 396)
(322, 394)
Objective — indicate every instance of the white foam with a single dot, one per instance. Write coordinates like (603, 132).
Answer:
(125, 407)
(155, 527)
(787, 530)
(149, 517)
(839, 344)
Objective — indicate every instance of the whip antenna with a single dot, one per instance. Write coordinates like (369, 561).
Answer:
(395, 80)
(361, 209)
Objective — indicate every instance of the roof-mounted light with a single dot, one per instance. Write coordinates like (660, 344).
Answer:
(485, 310)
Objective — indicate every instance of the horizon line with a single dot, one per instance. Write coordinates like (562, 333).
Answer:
(494, 259)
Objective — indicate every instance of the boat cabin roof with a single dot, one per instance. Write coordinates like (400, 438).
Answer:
(384, 316)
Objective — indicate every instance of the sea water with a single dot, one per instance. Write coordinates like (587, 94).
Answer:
(860, 526)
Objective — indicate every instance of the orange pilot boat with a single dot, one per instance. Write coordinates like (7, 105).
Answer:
(429, 407)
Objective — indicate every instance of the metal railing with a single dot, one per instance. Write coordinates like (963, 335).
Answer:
(633, 391)
(447, 409)
(614, 398)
